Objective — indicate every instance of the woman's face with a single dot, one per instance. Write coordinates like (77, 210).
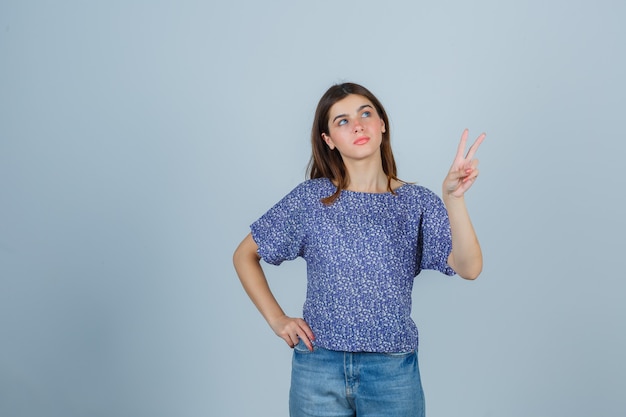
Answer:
(355, 128)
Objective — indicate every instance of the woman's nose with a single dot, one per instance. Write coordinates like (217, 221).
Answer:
(358, 126)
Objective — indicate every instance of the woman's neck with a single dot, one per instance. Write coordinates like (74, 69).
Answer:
(366, 176)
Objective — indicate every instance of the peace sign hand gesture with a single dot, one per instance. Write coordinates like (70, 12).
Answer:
(463, 171)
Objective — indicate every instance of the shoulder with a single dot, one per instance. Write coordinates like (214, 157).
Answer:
(416, 191)
(321, 184)
(309, 192)
(317, 187)
(419, 198)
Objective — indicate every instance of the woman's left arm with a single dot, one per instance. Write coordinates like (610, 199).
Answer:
(466, 257)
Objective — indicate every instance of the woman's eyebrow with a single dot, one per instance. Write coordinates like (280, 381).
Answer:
(339, 116)
(357, 110)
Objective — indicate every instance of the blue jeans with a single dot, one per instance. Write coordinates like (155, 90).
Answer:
(327, 383)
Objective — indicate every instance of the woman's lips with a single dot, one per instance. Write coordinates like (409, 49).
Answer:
(362, 140)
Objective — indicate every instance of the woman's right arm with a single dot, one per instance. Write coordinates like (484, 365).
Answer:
(248, 267)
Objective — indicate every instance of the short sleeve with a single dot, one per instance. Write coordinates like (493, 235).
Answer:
(435, 243)
(279, 233)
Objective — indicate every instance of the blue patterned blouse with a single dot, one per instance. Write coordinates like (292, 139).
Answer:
(362, 254)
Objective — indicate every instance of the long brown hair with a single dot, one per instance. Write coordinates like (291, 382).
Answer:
(326, 162)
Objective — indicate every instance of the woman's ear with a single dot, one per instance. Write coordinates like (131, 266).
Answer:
(382, 122)
(328, 141)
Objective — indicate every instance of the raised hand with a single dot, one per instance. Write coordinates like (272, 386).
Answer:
(464, 169)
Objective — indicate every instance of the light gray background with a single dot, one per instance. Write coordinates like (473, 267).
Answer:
(139, 139)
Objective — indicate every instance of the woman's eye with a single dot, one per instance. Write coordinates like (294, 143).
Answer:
(342, 122)
(366, 114)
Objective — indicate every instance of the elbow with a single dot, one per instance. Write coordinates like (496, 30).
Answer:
(236, 257)
(468, 269)
(472, 273)
(240, 256)
(471, 276)
(245, 253)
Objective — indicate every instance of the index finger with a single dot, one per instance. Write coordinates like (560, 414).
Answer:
(475, 145)
(461, 149)
(308, 335)
(307, 342)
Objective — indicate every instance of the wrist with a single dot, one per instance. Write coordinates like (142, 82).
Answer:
(275, 318)
(449, 198)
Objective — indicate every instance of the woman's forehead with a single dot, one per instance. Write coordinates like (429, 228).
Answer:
(349, 104)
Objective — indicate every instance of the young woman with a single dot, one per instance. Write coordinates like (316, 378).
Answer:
(365, 236)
